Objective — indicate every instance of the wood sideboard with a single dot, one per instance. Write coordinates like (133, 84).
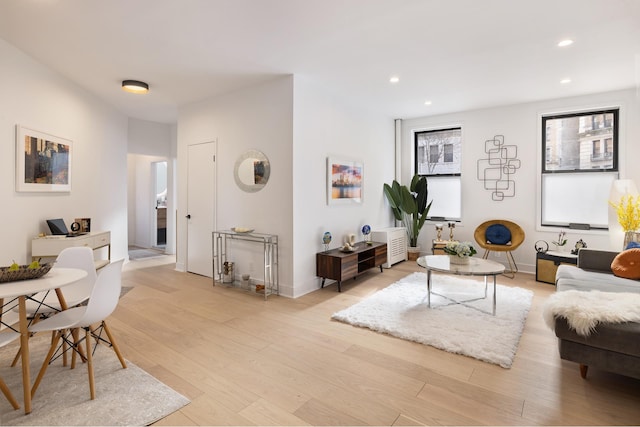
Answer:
(337, 265)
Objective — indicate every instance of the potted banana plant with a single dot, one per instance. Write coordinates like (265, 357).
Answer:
(409, 206)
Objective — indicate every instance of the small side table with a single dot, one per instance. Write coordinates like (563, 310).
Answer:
(547, 264)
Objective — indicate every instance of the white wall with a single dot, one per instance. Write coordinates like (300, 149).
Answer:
(327, 126)
(520, 125)
(33, 96)
(260, 118)
(149, 142)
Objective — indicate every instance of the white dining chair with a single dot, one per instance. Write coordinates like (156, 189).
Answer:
(76, 257)
(43, 304)
(102, 302)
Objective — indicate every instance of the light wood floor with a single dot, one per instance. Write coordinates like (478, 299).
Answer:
(244, 361)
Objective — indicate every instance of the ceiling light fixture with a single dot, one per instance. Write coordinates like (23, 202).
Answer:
(565, 81)
(427, 102)
(135, 86)
(394, 79)
(565, 43)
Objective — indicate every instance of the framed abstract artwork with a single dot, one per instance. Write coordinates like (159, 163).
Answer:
(43, 161)
(344, 181)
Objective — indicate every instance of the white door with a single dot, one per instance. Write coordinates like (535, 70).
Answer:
(200, 207)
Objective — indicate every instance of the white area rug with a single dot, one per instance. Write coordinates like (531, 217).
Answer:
(123, 396)
(401, 310)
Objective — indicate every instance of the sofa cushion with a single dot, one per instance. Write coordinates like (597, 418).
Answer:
(571, 277)
(498, 234)
(627, 264)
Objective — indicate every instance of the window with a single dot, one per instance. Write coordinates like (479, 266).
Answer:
(438, 157)
(579, 164)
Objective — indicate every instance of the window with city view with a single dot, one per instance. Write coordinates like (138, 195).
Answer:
(579, 163)
(438, 156)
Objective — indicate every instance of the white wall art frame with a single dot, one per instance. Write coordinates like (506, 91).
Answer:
(344, 181)
(43, 161)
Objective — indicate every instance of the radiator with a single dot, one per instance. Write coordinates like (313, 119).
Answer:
(396, 240)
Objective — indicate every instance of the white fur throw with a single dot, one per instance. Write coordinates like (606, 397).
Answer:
(584, 310)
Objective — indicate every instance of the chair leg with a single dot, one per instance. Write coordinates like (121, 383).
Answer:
(113, 344)
(45, 364)
(513, 267)
(486, 254)
(8, 395)
(92, 387)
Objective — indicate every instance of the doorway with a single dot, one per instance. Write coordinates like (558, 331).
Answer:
(159, 224)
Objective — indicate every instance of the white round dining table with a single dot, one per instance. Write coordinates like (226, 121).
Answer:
(55, 279)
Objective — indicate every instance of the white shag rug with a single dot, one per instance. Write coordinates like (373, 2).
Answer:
(401, 310)
(584, 310)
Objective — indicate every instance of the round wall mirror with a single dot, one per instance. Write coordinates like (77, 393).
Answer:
(252, 171)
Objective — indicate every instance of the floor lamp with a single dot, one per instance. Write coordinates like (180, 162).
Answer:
(619, 188)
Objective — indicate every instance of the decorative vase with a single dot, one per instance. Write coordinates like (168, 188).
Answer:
(455, 259)
(630, 236)
(559, 248)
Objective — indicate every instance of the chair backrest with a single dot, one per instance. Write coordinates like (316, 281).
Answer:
(105, 295)
(517, 235)
(78, 257)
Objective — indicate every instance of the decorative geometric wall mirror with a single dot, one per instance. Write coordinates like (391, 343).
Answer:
(252, 171)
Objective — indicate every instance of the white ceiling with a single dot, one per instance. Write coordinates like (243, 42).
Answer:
(459, 54)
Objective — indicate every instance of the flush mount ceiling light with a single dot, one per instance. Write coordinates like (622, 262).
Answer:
(394, 79)
(135, 86)
(427, 102)
(565, 43)
(565, 81)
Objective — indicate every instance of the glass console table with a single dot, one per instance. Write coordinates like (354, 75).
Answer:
(221, 242)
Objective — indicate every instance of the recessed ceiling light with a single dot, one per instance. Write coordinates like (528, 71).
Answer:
(427, 102)
(565, 43)
(394, 79)
(565, 81)
(135, 86)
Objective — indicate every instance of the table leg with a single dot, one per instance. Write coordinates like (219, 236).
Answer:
(24, 350)
(429, 288)
(494, 294)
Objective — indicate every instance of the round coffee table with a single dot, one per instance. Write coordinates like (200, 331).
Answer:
(475, 267)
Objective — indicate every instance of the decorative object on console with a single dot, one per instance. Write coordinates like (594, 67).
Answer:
(452, 226)
(326, 239)
(628, 213)
(623, 211)
(409, 205)
(439, 232)
(579, 245)
(344, 182)
(459, 252)
(542, 246)
(366, 232)
(495, 171)
(43, 162)
(562, 240)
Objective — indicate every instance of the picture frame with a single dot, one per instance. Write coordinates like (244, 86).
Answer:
(344, 181)
(43, 161)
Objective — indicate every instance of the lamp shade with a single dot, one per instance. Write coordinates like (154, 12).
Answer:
(135, 86)
(619, 189)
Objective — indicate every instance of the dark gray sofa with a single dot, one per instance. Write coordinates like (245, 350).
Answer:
(610, 347)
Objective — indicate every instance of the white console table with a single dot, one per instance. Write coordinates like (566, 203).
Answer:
(269, 243)
(50, 247)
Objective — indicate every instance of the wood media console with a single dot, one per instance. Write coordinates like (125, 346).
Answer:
(338, 265)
